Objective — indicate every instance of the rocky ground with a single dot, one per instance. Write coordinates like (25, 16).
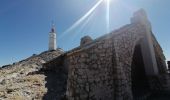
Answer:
(24, 80)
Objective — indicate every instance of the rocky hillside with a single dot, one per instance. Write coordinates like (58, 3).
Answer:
(24, 80)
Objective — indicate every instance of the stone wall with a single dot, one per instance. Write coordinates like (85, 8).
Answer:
(101, 70)
(91, 72)
(159, 56)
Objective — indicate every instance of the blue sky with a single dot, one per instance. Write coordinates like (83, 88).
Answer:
(25, 24)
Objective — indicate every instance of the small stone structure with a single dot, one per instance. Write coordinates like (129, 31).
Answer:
(85, 40)
(168, 64)
(123, 65)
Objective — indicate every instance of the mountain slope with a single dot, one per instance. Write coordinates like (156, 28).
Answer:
(23, 81)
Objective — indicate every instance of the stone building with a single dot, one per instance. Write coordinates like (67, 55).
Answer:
(126, 64)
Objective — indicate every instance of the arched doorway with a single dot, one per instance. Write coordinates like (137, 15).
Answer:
(140, 85)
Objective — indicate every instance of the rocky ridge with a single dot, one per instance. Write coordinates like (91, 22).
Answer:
(18, 81)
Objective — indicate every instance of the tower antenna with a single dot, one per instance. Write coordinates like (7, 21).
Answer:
(53, 26)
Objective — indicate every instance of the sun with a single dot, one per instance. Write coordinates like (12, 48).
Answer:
(107, 1)
(110, 1)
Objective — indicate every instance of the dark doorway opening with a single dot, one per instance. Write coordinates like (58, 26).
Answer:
(140, 85)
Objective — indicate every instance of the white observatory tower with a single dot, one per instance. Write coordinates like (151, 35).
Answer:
(52, 39)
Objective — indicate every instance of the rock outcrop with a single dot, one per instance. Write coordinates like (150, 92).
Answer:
(24, 80)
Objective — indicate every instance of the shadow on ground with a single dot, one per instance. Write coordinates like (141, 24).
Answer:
(56, 82)
(161, 95)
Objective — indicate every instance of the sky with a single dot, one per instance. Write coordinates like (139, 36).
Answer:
(25, 24)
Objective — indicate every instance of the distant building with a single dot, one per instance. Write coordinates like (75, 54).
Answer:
(52, 39)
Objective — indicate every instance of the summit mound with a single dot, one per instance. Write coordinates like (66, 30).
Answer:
(21, 80)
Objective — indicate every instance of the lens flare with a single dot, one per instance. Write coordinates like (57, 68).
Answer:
(86, 15)
(77, 23)
(107, 15)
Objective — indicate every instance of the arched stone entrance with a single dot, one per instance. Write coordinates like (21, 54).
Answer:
(140, 84)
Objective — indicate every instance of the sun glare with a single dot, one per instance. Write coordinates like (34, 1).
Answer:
(107, 14)
(107, 1)
(86, 15)
(83, 18)
(110, 1)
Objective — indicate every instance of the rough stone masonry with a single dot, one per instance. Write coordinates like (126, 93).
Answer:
(123, 65)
